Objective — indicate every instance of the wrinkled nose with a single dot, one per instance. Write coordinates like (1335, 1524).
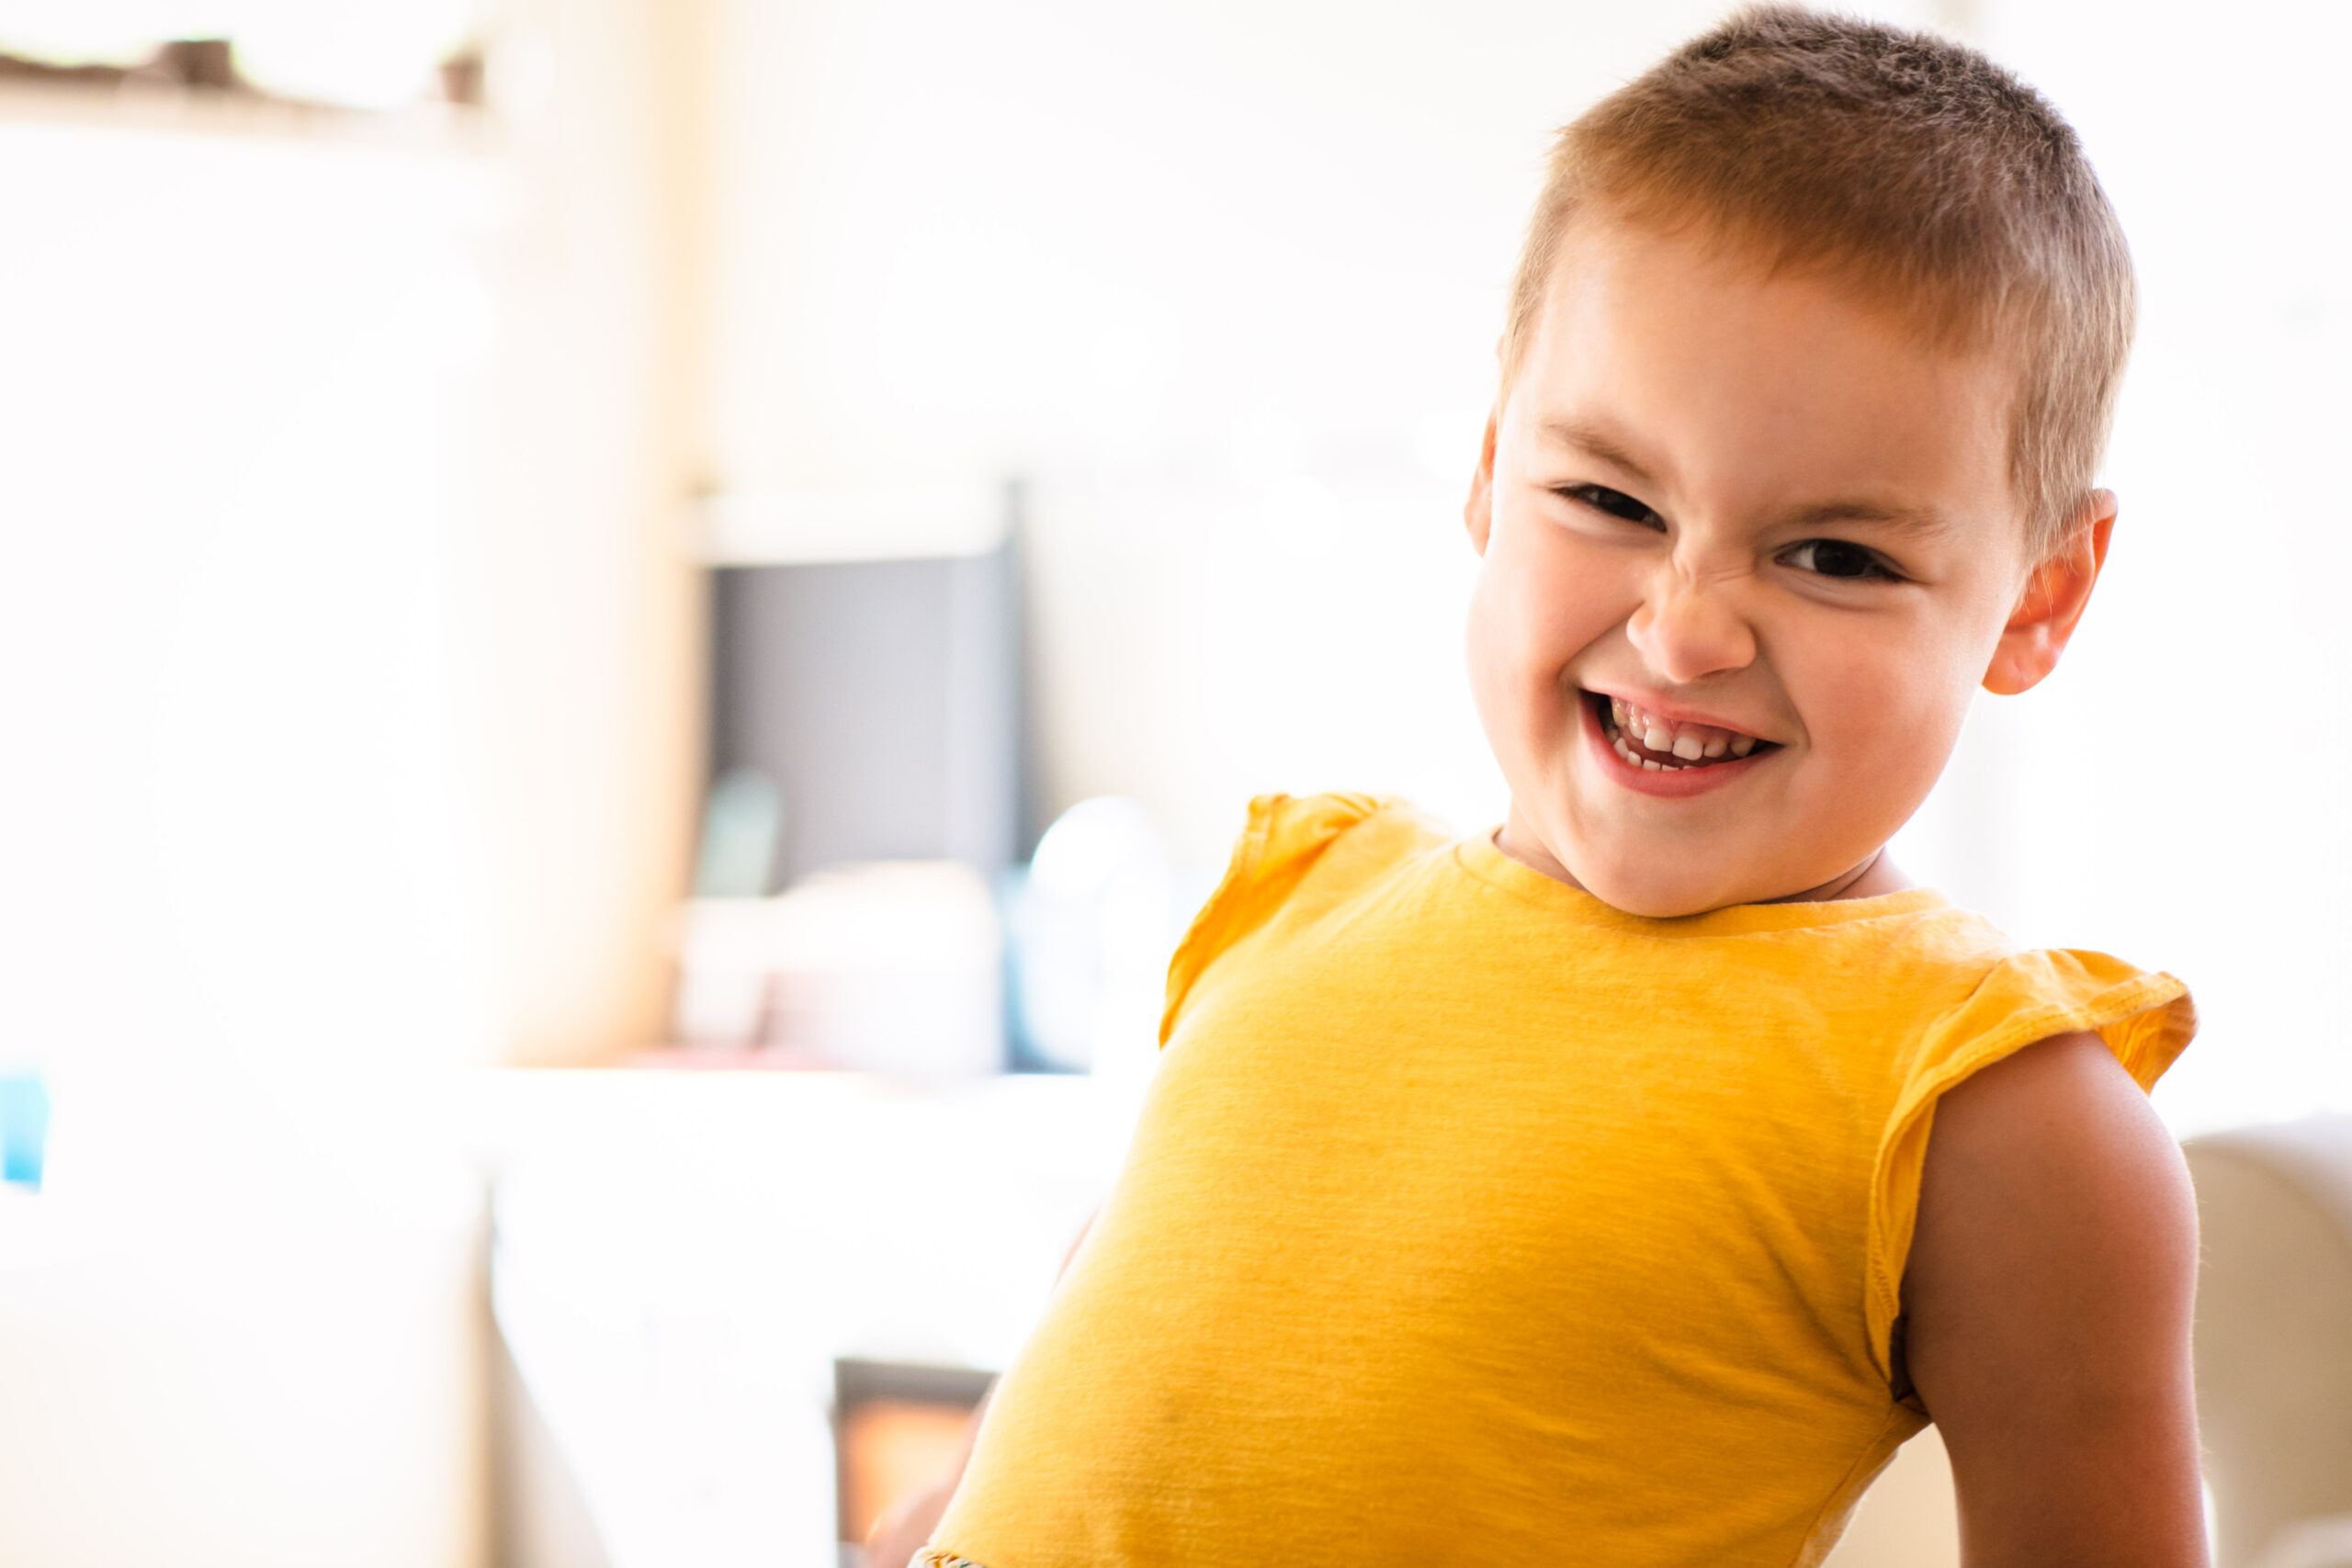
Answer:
(1689, 628)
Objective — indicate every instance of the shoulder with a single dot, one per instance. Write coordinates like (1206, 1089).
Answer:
(1982, 1034)
(1284, 825)
(1289, 838)
(2047, 1300)
(2053, 1143)
(1295, 854)
(1982, 1000)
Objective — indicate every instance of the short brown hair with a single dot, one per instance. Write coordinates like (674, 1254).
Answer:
(1915, 167)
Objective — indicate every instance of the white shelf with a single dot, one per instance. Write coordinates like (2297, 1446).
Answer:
(419, 128)
(894, 523)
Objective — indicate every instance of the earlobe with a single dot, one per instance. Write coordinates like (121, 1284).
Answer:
(1478, 510)
(2056, 593)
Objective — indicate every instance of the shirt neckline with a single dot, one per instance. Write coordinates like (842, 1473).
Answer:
(1478, 857)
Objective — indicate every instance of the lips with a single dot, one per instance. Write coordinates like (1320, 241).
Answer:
(1657, 744)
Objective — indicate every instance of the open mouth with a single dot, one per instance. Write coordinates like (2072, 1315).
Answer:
(1662, 746)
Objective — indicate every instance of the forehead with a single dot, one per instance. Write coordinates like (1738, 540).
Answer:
(1732, 382)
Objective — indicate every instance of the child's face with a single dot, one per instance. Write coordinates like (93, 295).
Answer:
(1748, 548)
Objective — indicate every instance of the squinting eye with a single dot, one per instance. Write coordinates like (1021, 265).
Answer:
(1838, 557)
(1616, 504)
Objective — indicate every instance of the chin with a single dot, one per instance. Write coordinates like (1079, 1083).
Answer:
(1661, 898)
(1667, 907)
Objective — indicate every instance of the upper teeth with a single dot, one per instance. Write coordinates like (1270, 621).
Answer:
(1664, 738)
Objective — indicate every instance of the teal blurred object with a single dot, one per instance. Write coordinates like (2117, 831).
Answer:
(24, 1128)
(743, 824)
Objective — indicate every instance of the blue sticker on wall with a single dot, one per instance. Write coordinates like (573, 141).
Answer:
(24, 1129)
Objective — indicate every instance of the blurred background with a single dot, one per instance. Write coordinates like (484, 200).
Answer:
(612, 607)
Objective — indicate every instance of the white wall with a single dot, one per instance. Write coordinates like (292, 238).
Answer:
(236, 816)
(347, 648)
(349, 700)
(245, 918)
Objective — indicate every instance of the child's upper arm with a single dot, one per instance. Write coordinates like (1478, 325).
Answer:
(2047, 1307)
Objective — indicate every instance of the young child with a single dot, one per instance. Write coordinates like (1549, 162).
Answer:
(1621, 1188)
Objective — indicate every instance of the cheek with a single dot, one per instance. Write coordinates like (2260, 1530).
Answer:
(1498, 684)
(1517, 645)
(1895, 720)
(1537, 605)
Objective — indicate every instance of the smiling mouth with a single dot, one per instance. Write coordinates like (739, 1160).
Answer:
(1660, 745)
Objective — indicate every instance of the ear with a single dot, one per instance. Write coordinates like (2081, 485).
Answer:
(2052, 604)
(1478, 512)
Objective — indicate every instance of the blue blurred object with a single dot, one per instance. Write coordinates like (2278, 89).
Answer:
(1091, 926)
(24, 1128)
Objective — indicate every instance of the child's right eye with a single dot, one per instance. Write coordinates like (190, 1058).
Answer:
(1616, 504)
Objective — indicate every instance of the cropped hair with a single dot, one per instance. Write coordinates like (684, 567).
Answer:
(1909, 166)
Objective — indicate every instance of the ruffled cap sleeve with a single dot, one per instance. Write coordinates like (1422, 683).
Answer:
(1284, 837)
(2146, 1019)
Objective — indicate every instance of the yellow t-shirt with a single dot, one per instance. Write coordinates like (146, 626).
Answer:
(1471, 1220)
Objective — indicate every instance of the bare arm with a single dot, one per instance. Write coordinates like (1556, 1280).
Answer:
(906, 1524)
(2048, 1301)
(903, 1528)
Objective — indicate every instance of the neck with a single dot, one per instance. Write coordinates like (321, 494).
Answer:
(1875, 875)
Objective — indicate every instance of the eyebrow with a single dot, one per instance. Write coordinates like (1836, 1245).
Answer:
(1595, 442)
(1910, 519)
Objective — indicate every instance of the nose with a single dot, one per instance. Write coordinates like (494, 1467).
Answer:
(1687, 628)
